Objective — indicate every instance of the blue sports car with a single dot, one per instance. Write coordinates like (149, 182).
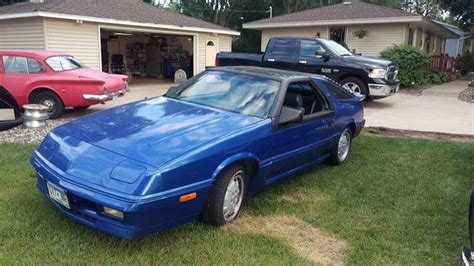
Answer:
(196, 152)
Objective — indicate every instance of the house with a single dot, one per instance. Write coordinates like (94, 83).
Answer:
(460, 45)
(386, 26)
(115, 35)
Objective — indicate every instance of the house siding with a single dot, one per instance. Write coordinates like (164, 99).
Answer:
(267, 34)
(224, 44)
(380, 37)
(27, 34)
(80, 40)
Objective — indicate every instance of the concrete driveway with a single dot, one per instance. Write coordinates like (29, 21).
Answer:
(437, 109)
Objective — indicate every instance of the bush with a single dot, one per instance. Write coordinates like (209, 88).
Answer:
(438, 77)
(412, 64)
(466, 63)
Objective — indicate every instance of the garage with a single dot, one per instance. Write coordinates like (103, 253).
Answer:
(149, 44)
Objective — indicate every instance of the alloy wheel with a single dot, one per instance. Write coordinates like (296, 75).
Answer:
(233, 196)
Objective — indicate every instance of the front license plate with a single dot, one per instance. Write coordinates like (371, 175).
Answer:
(58, 195)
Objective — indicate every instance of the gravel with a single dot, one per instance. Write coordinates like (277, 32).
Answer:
(21, 134)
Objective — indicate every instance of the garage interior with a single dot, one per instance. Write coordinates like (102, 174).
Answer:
(146, 57)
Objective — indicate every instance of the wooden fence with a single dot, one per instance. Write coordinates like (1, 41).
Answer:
(444, 63)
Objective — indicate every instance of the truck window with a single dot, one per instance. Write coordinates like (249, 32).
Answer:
(283, 47)
(311, 48)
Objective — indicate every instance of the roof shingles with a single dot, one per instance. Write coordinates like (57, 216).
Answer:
(128, 10)
(354, 10)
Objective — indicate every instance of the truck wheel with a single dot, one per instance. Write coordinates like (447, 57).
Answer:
(341, 151)
(355, 85)
(226, 197)
(50, 99)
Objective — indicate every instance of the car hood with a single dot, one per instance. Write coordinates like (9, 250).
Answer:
(154, 131)
(367, 62)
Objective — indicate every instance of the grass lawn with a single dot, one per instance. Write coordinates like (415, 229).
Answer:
(397, 201)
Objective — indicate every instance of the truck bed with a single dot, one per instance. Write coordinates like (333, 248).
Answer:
(235, 59)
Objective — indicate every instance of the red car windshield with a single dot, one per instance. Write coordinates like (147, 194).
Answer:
(63, 63)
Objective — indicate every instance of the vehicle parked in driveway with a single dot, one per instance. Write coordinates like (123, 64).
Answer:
(196, 152)
(467, 254)
(10, 113)
(57, 80)
(373, 77)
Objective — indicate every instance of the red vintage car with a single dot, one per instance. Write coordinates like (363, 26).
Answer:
(57, 80)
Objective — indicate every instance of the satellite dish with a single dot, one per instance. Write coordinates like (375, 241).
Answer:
(180, 76)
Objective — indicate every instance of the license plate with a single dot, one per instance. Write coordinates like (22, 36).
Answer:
(57, 194)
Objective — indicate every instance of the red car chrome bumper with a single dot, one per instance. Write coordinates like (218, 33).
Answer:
(106, 96)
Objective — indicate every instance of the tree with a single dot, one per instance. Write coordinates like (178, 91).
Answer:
(428, 8)
(462, 11)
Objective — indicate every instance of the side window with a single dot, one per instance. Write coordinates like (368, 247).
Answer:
(338, 91)
(304, 96)
(311, 48)
(34, 67)
(15, 64)
(284, 47)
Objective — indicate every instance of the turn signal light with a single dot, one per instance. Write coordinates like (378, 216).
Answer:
(187, 197)
(113, 212)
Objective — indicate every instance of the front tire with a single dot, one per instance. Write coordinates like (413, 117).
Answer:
(355, 85)
(226, 197)
(54, 103)
(342, 150)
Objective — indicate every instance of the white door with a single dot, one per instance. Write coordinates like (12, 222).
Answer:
(211, 52)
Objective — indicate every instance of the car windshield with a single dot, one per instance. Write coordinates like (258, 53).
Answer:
(63, 63)
(336, 48)
(239, 93)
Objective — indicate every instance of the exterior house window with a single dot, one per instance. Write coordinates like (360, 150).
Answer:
(411, 34)
(428, 43)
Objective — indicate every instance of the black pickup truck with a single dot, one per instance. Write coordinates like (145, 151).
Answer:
(373, 77)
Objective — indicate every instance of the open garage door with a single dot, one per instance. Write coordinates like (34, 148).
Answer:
(142, 55)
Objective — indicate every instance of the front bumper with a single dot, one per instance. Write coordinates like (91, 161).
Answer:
(383, 90)
(141, 216)
(106, 96)
(467, 257)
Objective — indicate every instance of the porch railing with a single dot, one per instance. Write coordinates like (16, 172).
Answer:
(444, 62)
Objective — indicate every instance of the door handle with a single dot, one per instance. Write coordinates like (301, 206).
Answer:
(331, 122)
(271, 60)
(303, 62)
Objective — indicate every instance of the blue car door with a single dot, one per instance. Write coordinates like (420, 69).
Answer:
(300, 144)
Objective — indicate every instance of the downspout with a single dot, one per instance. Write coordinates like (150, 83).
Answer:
(459, 42)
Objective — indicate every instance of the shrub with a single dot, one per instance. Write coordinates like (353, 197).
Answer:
(438, 77)
(466, 63)
(412, 64)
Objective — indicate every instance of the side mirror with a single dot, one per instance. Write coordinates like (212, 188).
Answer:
(171, 90)
(326, 57)
(290, 115)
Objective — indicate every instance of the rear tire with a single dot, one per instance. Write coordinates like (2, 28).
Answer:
(50, 99)
(342, 150)
(225, 197)
(355, 85)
